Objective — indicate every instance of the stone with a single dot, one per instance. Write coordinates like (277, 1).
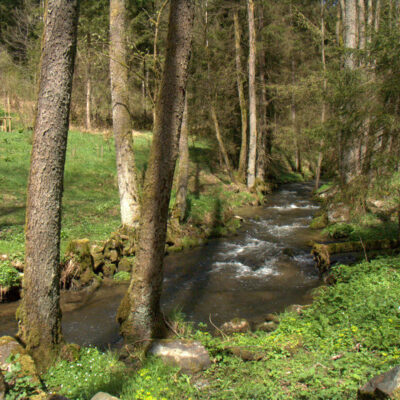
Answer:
(296, 308)
(98, 261)
(383, 386)
(236, 325)
(190, 356)
(109, 269)
(288, 252)
(3, 386)
(272, 317)
(268, 326)
(103, 396)
(246, 354)
(338, 213)
(125, 265)
(9, 346)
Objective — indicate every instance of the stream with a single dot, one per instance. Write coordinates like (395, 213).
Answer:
(264, 268)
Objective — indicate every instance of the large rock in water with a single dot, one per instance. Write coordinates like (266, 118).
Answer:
(384, 386)
(190, 356)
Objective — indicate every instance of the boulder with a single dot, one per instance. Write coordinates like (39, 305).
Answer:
(296, 308)
(236, 325)
(125, 265)
(103, 396)
(190, 356)
(338, 213)
(384, 386)
(272, 317)
(10, 347)
(3, 386)
(109, 269)
(268, 326)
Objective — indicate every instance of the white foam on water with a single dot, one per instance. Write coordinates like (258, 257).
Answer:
(241, 270)
(294, 207)
(284, 230)
(304, 258)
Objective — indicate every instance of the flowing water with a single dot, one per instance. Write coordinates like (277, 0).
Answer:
(263, 269)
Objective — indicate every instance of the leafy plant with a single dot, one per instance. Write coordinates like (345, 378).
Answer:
(9, 276)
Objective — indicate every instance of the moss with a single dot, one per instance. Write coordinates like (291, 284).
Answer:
(123, 312)
(109, 269)
(70, 352)
(319, 222)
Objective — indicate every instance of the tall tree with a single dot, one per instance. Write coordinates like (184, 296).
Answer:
(139, 313)
(39, 313)
(126, 169)
(183, 172)
(350, 32)
(242, 99)
(251, 169)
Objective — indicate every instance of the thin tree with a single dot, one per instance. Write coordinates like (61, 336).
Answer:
(183, 171)
(126, 169)
(251, 168)
(139, 313)
(39, 313)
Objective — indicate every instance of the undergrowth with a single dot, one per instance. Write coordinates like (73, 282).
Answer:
(349, 334)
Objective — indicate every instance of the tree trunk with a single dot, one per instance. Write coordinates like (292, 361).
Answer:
(126, 169)
(350, 25)
(294, 125)
(39, 314)
(242, 100)
(139, 313)
(264, 139)
(251, 168)
(361, 25)
(183, 174)
(88, 85)
(221, 143)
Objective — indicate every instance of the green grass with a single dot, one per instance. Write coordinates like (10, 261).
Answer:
(349, 334)
(90, 200)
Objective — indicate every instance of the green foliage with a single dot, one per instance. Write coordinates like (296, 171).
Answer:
(9, 276)
(122, 276)
(19, 387)
(91, 373)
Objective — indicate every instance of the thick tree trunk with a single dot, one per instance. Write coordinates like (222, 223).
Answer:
(242, 100)
(350, 36)
(183, 174)
(361, 25)
(251, 168)
(126, 169)
(39, 314)
(264, 139)
(139, 313)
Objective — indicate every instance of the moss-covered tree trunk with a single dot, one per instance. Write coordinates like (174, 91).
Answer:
(139, 313)
(251, 167)
(126, 169)
(39, 313)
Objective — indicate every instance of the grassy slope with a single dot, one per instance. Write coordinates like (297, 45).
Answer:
(349, 334)
(91, 203)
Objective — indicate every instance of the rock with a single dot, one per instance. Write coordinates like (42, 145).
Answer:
(70, 352)
(288, 252)
(109, 269)
(338, 213)
(236, 325)
(296, 308)
(10, 347)
(3, 386)
(272, 317)
(190, 356)
(103, 396)
(125, 265)
(18, 265)
(245, 354)
(113, 256)
(269, 326)
(384, 386)
(319, 222)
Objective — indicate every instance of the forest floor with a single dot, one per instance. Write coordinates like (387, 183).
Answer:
(328, 350)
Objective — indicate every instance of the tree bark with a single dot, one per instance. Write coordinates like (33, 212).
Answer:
(183, 174)
(126, 169)
(350, 38)
(39, 314)
(361, 25)
(139, 314)
(251, 168)
(242, 100)
(221, 142)
(88, 85)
